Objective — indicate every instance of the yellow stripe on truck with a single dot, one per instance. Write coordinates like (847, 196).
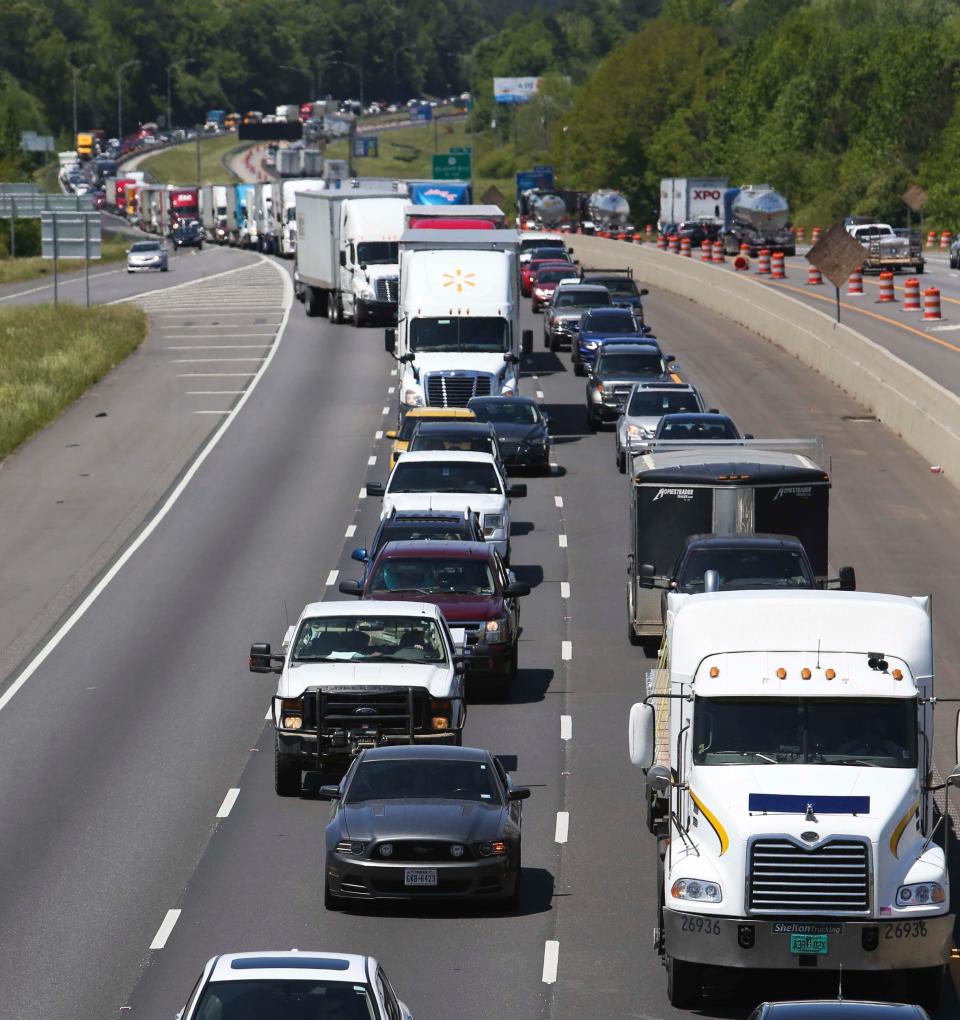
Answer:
(714, 823)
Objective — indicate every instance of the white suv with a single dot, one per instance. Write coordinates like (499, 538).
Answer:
(452, 480)
(290, 983)
(364, 674)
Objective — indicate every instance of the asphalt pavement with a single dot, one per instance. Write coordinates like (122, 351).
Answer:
(118, 754)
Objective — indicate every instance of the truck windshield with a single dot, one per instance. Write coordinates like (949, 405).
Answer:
(746, 569)
(432, 576)
(805, 731)
(368, 639)
(445, 476)
(483, 333)
(378, 253)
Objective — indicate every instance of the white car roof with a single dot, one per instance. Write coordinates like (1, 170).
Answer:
(542, 235)
(369, 607)
(291, 965)
(447, 457)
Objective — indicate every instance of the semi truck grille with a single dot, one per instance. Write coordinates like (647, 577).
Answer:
(386, 289)
(833, 878)
(445, 390)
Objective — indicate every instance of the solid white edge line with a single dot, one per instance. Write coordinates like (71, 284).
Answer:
(231, 798)
(564, 589)
(566, 727)
(166, 928)
(351, 531)
(332, 577)
(551, 961)
(562, 539)
(558, 502)
(563, 826)
(566, 650)
(124, 558)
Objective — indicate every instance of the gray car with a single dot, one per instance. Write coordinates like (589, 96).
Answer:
(146, 255)
(561, 321)
(647, 403)
(425, 822)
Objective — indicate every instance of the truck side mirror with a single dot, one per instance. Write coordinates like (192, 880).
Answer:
(658, 779)
(641, 735)
(848, 579)
(350, 587)
(646, 576)
(526, 343)
(260, 660)
(390, 339)
(343, 258)
(359, 554)
(956, 752)
(644, 291)
(329, 793)
(517, 589)
(375, 489)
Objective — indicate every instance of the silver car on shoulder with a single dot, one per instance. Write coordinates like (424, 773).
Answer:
(645, 406)
(145, 255)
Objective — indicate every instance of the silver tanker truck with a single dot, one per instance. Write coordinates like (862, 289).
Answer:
(607, 210)
(756, 215)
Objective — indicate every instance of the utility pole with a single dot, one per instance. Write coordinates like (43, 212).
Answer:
(77, 71)
(120, 70)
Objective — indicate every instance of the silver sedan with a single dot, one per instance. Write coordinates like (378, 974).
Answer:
(146, 255)
(646, 405)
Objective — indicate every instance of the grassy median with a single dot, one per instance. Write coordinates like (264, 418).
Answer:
(50, 356)
(34, 268)
(178, 164)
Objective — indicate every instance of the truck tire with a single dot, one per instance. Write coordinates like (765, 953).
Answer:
(286, 777)
(925, 986)
(684, 983)
(312, 301)
(631, 633)
(359, 317)
(919, 269)
(622, 462)
(335, 307)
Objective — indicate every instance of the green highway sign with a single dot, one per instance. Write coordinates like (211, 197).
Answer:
(460, 150)
(454, 166)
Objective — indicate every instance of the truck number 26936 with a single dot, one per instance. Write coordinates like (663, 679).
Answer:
(700, 925)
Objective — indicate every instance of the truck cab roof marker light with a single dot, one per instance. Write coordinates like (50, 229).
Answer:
(805, 673)
(830, 674)
(714, 671)
(781, 673)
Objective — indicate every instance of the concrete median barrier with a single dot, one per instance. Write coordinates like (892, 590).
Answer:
(924, 413)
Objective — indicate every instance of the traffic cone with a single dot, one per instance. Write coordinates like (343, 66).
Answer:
(815, 236)
(685, 247)
(945, 240)
(745, 250)
(887, 291)
(648, 230)
(638, 238)
(661, 242)
(814, 277)
(740, 263)
(931, 304)
(801, 236)
(674, 244)
(932, 239)
(779, 271)
(763, 262)
(855, 284)
(706, 247)
(911, 295)
(717, 256)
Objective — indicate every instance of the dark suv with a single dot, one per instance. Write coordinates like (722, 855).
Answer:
(561, 321)
(472, 587)
(612, 377)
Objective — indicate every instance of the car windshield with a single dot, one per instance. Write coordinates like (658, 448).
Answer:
(529, 244)
(272, 999)
(746, 568)
(145, 246)
(621, 286)
(476, 443)
(423, 779)
(445, 476)
(368, 639)
(554, 275)
(811, 731)
(699, 429)
(378, 253)
(432, 576)
(580, 299)
(610, 322)
(477, 333)
(654, 404)
(506, 412)
(630, 364)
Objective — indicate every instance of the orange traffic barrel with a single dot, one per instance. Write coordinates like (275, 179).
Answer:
(814, 276)
(887, 290)
(855, 283)
(685, 247)
(911, 295)
(716, 256)
(931, 303)
(763, 261)
(779, 270)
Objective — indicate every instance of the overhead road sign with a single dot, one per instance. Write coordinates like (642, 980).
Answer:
(454, 166)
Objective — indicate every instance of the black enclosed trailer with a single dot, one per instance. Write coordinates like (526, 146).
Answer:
(681, 489)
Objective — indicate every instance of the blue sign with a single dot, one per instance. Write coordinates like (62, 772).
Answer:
(423, 112)
(366, 147)
(527, 179)
(440, 193)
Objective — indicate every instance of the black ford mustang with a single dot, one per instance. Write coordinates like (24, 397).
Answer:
(522, 430)
(425, 823)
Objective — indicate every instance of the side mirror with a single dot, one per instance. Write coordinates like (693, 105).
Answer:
(260, 658)
(516, 491)
(363, 267)
(641, 735)
(646, 576)
(658, 779)
(517, 589)
(714, 410)
(669, 358)
(848, 579)
(391, 433)
(343, 258)
(329, 793)
(350, 587)
(390, 339)
(512, 359)
(375, 489)
(359, 554)
(519, 793)
(569, 250)
(409, 356)
(526, 343)
(644, 291)
(748, 435)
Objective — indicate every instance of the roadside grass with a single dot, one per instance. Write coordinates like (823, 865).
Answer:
(51, 355)
(20, 269)
(178, 164)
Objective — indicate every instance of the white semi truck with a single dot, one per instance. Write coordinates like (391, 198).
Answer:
(787, 740)
(458, 325)
(285, 211)
(213, 212)
(346, 261)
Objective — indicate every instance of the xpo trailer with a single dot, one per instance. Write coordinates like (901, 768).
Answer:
(683, 199)
(787, 745)
(714, 487)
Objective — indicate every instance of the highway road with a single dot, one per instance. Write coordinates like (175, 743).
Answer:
(119, 755)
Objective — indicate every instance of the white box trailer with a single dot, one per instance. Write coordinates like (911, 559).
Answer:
(213, 212)
(437, 217)
(346, 260)
(284, 212)
(683, 199)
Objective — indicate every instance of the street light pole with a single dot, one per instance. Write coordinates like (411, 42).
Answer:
(120, 71)
(308, 72)
(77, 71)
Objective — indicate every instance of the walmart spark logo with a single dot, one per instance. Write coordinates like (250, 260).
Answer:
(459, 280)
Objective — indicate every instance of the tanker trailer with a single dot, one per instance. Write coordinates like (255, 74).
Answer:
(549, 210)
(608, 210)
(756, 215)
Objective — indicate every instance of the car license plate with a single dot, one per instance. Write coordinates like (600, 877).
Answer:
(420, 876)
(803, 944)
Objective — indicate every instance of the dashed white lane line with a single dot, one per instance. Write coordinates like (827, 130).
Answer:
(332, 577)
(564, 589)
(363, 493)
(563, 826)
(165, 929)
(558, 501)
(231, 798)
(371, 460)
(393, 371)
(378, 434)
(386, 410)
(391, 389)
(566, 727)
(551, 961)
(539, 394)
(566, 650)
(562, 539)
(351, 531)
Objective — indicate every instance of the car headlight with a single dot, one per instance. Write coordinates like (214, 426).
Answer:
(495, 848)
(920, 895)
(366, 293)
(695, 889)
(590, 345)
(495, 632)
(596, 393)
(291, 714)
(491, 524)
(639, 431)
(441, 709)
(351, 846)
(413, 398)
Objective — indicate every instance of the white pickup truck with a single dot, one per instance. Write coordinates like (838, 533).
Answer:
(355, 675)
(453, 480)
(886, 249)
